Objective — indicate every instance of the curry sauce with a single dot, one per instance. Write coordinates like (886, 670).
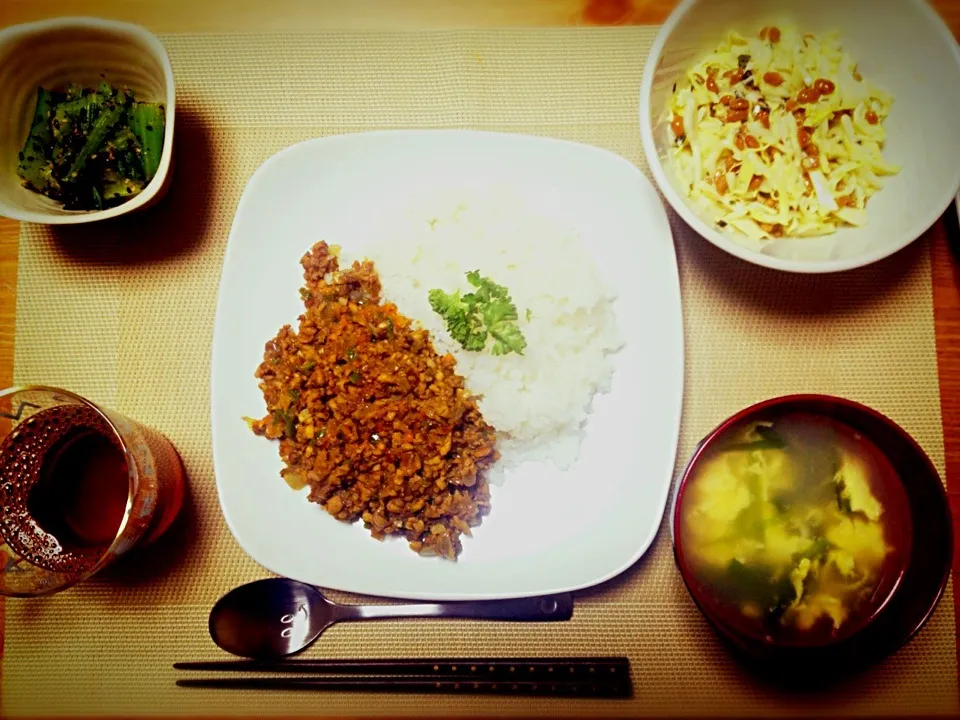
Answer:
(370, 417)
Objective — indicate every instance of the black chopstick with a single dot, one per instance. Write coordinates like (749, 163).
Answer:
(597, 677)
(556, 669)
(567, 689)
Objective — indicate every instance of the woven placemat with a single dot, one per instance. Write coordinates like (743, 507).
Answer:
(123, 314)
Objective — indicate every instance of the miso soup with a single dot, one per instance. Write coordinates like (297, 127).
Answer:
(797, 528)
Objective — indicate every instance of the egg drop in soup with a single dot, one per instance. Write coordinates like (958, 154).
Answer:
(795, 528)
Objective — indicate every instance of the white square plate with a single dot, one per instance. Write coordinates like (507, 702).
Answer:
(548, 530)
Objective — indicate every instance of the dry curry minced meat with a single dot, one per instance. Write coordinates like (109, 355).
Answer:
(369, 416)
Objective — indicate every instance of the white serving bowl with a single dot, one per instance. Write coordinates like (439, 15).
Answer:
(87, 51)
(902, 46)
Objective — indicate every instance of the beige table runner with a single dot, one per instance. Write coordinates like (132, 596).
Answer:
(123, 313)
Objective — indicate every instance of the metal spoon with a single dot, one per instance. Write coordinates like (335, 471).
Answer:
(276, 617)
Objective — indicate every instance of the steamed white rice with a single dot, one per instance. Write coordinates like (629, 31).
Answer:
(540, 401)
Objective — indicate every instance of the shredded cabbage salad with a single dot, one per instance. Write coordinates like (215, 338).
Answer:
(779, 135)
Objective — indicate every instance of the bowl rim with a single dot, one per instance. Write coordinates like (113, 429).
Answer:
(940, 200)
(156, 185)
(705, 607)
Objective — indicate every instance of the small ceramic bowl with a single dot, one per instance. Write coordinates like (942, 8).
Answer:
(922, 573)
(922, 74)
(87, 51)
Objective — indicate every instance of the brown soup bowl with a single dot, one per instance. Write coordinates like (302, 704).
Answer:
(895, 613)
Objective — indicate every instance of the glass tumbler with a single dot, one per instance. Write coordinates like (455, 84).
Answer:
(80, 485)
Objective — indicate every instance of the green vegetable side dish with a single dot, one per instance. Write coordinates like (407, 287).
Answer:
(475, 316)
(91, 149)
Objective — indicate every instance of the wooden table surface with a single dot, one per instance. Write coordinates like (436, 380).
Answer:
(166, 16)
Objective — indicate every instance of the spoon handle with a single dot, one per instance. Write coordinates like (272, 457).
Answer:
(533, 609)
